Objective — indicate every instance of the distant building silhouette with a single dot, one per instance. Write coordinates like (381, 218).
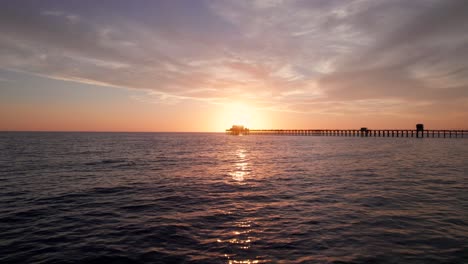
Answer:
(238, 130)
(419, 128)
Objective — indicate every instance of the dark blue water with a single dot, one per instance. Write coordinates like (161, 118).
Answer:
(212, 198)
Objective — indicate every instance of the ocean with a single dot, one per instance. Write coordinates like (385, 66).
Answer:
(214, 198)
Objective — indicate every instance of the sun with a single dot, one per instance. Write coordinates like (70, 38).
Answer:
(240, 114)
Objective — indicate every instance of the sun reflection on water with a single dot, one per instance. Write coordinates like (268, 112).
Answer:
(243, 261)
(241, 166)
(242, 233)
(240, 243)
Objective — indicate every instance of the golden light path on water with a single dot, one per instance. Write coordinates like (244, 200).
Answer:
(241, 236)
(241, 167)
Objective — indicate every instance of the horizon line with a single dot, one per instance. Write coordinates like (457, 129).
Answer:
(213, 132)
(104, 131)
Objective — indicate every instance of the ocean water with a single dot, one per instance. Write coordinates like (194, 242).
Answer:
(214, 198)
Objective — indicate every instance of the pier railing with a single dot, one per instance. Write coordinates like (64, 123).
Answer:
(363, 132)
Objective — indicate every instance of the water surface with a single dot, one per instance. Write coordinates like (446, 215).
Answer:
(213, 198)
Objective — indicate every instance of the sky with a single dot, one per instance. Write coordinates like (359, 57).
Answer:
(204, 65)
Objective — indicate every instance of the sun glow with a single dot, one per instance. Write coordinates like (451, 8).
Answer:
(241, 114)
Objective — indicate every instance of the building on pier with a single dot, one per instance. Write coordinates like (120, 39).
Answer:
(419, 128)
(237, 130)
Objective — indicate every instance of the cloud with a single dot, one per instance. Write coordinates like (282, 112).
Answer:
(416, 60)
(70, 17)
(299, 56)
(2, 79)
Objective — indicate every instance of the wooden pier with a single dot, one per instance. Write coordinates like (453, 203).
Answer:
(419, 132)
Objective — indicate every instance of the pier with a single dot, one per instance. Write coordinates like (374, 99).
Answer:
(419, 132)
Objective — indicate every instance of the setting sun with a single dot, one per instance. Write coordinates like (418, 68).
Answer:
(241, 113)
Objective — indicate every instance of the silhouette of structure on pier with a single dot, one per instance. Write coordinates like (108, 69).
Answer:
(419, 132)
(238, 130)
(419, 128)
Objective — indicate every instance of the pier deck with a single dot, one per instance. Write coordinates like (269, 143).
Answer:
(430, 133)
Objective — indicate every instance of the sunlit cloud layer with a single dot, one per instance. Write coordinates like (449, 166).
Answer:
(321, 56)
